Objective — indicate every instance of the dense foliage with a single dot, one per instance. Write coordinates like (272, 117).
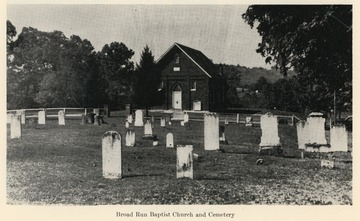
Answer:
(315, 41)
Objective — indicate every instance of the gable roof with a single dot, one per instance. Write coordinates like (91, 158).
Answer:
(203, 62)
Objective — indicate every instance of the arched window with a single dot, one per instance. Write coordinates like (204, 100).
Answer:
(193, 86)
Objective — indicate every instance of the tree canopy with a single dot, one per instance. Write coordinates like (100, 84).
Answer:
(314, 40)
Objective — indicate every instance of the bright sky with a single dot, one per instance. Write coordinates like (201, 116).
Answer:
(216, 30)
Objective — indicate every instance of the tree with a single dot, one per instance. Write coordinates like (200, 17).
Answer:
(315, 41)
(115, 74)
(148, 79)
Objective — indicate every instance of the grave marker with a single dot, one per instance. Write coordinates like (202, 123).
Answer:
(222, 135)
(211, 131)
(269, 131)
(130, 118)
(162, 122)
(61, 117)
(23, 117)
(186, 117)
(130, 138)
(302, 134)
(169, 140)
(248, 121)
(41, 117)
(316, 128)
(148, 129)
(184, 161)
(111, 155)
(138, 118)
(339, 138)
(127, 124)
(15, 126)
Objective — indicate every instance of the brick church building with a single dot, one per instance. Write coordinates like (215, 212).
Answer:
(190, 80)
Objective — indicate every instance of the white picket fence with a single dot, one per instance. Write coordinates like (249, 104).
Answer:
(52, 112)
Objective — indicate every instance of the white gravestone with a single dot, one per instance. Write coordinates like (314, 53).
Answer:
(127, 124)
(269, 131)
(15, 126)
(138, 118)
(130, 119)
(61, 117)
(130, 138)
(184, 161)
(111, 155)
(226, 122)
(162, 122)
(211, 131)
(237, 118)
(316, 132)
(248, 121)
(148, 129)
(186, 118)
(96, 111)
(170, 140)
(41, 117)
(22, 114)
(302, 134)
(339, 138)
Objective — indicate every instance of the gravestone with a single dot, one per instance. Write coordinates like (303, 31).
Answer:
(22, 114)
(111, 155)
(130, 118)
(96, 111)
(186, 117)
(130, 138)
(15, 126)
(269, 131)
(339, 138)
(302, 134)
(211, 131)
(127, 124)
(162, 122)
(222, 135)
(184, 161)
(61, 117)
(97, 120)
(41, 117)
(169, 140)
(148, 130)
(226, 122)
(182, 123)
(248, 121)
(138, 118)
(237, 118)
(83, 119)
(316, 128)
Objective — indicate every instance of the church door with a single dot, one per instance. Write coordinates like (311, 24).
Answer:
(176, 97)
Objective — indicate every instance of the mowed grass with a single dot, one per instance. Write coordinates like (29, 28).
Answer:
(55, 164)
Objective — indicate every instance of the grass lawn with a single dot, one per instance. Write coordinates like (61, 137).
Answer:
(55, 164)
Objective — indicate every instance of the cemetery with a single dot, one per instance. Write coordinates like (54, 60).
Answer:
(55, 158)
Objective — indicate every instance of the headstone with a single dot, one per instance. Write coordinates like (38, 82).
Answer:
(186, 117)
(169, 140)
(237, 118)
(22, 114)
(316, 133)
(61, 117)
(41, 117)
(226, 122)
(302, 134)
(248, 121)
(15, 126)
(182, 123)
(269, 131)
(111, 155)
(211, 131)
(126, 124)
(138, 118)
(130, 138)
(148, 129)
(97, 120)
(339, 138)
(83, 119)
(222, 135)
(162, 122)
(130, 118)
(184, 164)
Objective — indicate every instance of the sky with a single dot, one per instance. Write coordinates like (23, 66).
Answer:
(217, 30)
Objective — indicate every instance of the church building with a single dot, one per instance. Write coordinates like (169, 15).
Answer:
(190, 80)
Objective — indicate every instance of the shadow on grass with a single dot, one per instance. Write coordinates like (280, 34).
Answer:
(142, 175)
(211, 178)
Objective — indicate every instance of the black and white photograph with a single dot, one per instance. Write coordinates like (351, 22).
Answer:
(186, 111)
